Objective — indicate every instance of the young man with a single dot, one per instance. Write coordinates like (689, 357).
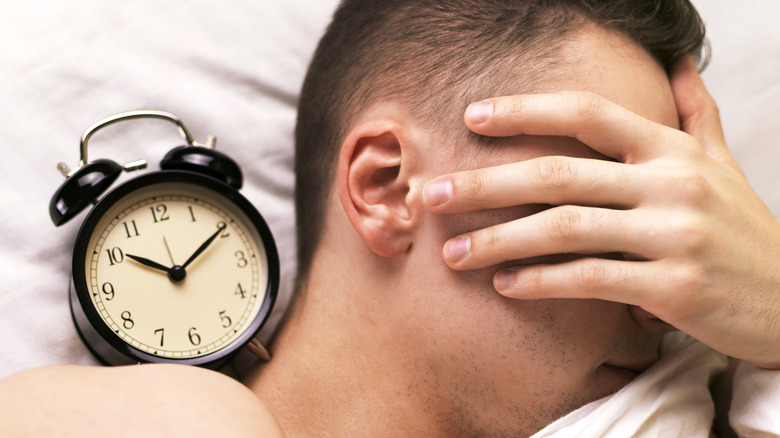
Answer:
(386, 338)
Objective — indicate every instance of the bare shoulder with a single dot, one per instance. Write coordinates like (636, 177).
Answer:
(141, 400)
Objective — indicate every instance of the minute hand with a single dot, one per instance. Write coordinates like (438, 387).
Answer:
(204, 246)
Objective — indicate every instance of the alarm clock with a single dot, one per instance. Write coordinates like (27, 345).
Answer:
(172, 266)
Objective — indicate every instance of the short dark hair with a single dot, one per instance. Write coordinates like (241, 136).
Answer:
(437, 56)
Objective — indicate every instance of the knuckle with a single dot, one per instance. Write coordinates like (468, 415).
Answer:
(532, 281)
(472, 187)
(589, 106)
(564, 224)
(595, 275)
(712, 106)
(556, 173)
(489, 241)
(680, 142)
(690, 232)
(689, 280)
(692, 186)
(514, 108)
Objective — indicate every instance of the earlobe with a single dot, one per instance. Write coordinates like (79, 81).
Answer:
(373, 178)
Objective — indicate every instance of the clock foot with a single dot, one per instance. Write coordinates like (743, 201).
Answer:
(259, 349)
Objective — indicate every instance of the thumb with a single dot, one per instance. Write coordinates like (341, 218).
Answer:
(698, 112)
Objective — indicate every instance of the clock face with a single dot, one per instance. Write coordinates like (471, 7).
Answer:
(176, 270)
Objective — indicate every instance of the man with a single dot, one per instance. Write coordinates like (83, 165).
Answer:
(385, 338)
(379, 312)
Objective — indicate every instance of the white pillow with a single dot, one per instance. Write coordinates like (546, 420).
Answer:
(232, 69)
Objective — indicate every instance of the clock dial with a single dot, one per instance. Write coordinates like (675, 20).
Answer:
(176, 271)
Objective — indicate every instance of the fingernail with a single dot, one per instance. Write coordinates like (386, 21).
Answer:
(503, 280)
(479, 112)
(457, 249)
(437, 192)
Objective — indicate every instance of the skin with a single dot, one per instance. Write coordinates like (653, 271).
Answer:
(387, 338)
(141, 400)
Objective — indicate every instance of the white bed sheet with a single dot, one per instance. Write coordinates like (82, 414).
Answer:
(230, 68)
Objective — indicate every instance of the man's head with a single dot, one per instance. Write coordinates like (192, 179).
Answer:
(381, 114)
(437, 56)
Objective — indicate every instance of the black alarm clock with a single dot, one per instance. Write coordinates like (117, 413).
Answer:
(173, 266)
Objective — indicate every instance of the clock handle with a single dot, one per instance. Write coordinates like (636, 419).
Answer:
(88, 181)
(130, 115)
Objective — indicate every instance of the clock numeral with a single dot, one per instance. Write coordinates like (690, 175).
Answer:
(108, 290)
(242, 261)
(192, 214)
(226, 321)
(240, 291)
(161, 331)
(128, 321)
(134, 231)
(162, 209)
(225, 233)
(194, 337)
(115, 256)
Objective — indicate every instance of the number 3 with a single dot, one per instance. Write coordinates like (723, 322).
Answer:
(242, 261)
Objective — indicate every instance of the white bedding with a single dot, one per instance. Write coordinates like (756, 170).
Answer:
(230, 68)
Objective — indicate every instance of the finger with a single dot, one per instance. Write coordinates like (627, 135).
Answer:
(630, 282)
(699, 115)
(698, 112)
(604, 126)
(552, 180)
(560, 230)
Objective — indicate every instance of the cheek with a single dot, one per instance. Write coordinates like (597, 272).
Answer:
(559, 335)
(538, 357)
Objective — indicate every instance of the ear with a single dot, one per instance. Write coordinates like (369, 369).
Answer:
(374, 172)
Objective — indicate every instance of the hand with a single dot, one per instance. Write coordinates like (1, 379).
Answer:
(175, 273)
(146, 262)
(701, 251)
(205, 245)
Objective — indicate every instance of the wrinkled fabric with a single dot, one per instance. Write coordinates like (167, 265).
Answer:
(671, 399)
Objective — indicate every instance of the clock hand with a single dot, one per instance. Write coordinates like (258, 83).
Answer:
(149, 263)
(204, 246)
(168, 248)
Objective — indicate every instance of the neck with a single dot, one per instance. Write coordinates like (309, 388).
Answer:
(330, 374)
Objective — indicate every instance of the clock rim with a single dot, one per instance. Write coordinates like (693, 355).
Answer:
(99, 338)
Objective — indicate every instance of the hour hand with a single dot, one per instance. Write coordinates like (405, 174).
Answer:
(150, 263)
